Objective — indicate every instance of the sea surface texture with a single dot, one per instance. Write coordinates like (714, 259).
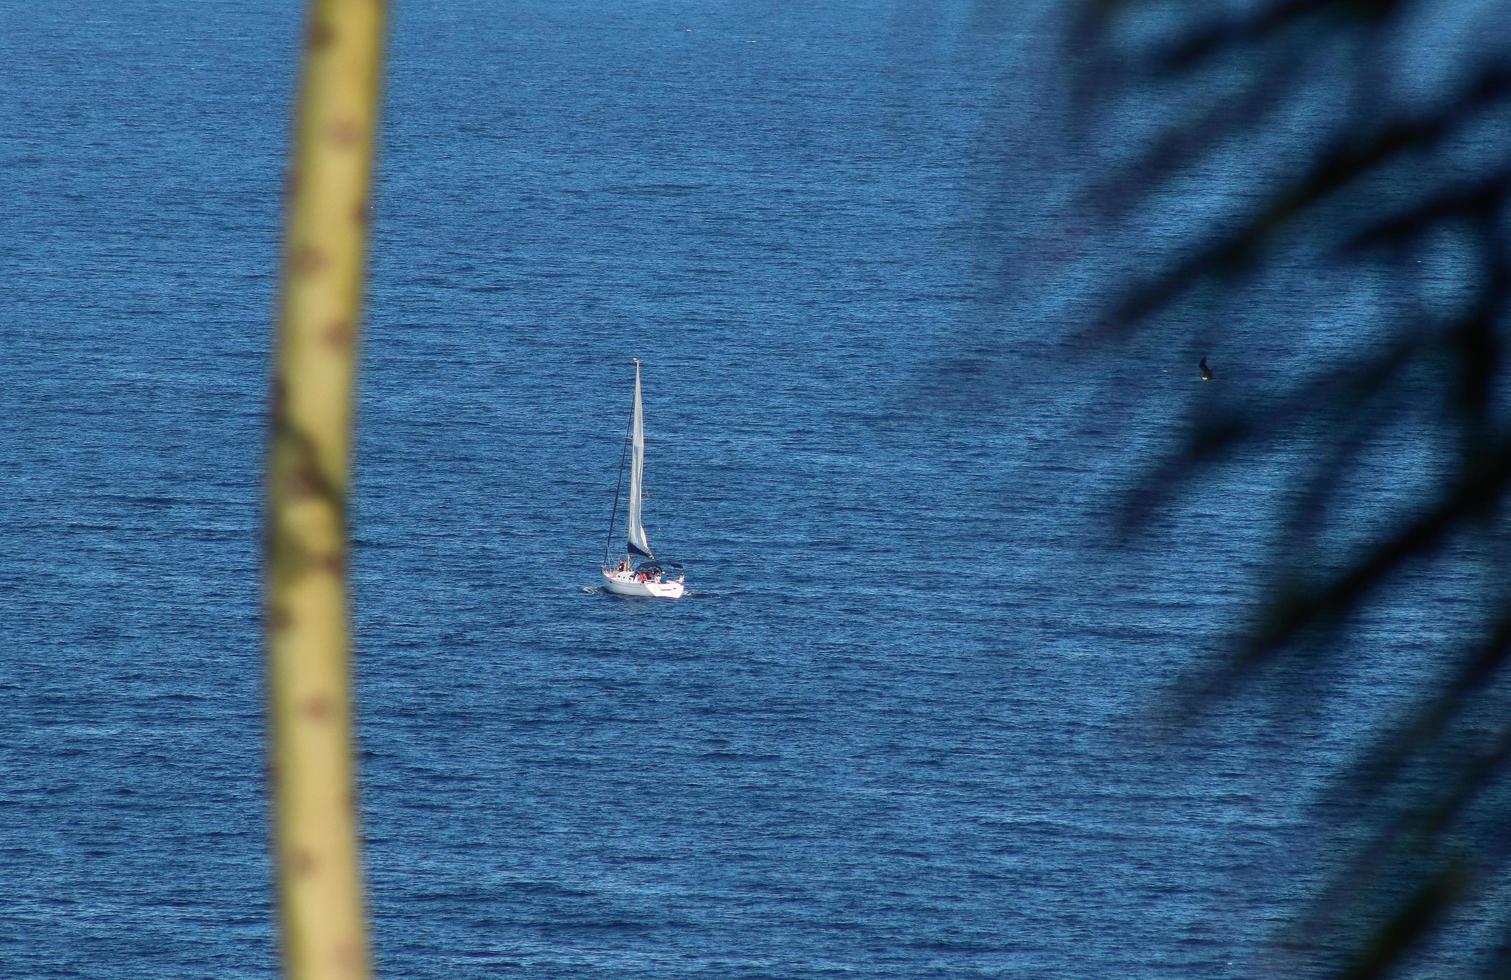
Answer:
(906, 722)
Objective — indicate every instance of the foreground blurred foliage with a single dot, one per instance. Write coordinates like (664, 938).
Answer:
(310, 715)
(1408, 161)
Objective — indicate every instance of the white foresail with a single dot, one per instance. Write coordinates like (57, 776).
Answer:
(637, 539)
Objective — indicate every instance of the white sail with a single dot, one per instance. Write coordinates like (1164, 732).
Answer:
(638, 543)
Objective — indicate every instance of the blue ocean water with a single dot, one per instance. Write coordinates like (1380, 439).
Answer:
(902, 725)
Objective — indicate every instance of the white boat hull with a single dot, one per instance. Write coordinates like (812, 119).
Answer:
(628, 583)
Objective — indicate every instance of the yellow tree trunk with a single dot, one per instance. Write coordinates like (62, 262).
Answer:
(309, 466)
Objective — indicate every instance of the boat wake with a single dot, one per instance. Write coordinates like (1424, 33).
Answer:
(689, 594)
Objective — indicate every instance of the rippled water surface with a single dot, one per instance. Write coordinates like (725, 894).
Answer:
(898, 728)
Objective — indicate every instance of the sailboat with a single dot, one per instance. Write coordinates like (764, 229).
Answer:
(638, 573)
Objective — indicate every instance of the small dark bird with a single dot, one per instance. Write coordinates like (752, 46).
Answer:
(1206, 372)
